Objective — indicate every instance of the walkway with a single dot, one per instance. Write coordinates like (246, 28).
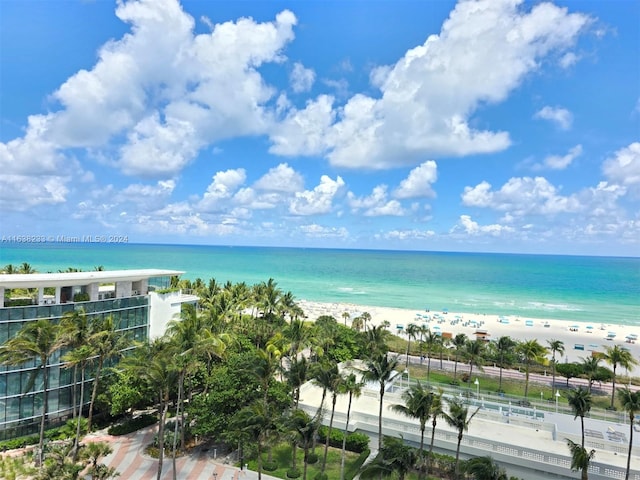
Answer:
(128, 459)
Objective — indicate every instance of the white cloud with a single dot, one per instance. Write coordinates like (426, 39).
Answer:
(224, 185)
(521, 196)
(624, 166)
(22, 192)
(319, 200)
(318, 231)
(301, 78)
(483, 52)
(470, 227)
(568, 60)
(375, 205)
(560, 162)
(419, 182)
(166, 90)
(562, 117)
(282, 178)
(409, 234)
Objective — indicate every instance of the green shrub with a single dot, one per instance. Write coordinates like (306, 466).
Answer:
(20, 442)
(268, 466)
(321, 476)
(357, 442)
(293, 473)
(132, 425)
(312, 458)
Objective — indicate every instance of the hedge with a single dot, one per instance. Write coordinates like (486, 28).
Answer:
(132, 425)
(356, 442)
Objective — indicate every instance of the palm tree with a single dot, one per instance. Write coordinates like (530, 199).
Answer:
(555, 346)
(417, 404)
(530, 351)
(580, 458)
(304, 428)
(353, 387)
(107, 343)
(436, 412)
(37, 341)
(395, 459)
(412, 332)
(590, 368)
(357, 323)
(580, 402)
(79, 357)
(258, 421)
(155, 363)
(503, 346)
(459, 341)
(92, 452)
(336, 389)
(345, 317)
(264, 369)
(458, 418)
(381, 370)
(485, 468)
(296, 377)
(473, 352)
(631, 403)
(615, 356)
(76, 329)
(430, 340)
(376, 341)
(366, 317)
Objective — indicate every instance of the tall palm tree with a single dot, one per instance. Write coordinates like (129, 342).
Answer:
(485, 468)
(366, 317)
(474, 351)
(431, 341)
(36, 341)
(555, 346)
(381, 370)
(436, 412)
(580, 459)
(422, 330)
(353, 387)
(530, 351)
(155, 364)
(631, 403)
(580, 402)
(296, 377)
(412, 332)
(417, 404)
(76, 329)
(336, 389)
(395, 459)
(376, 341)
(504, 346)
(304, 428)
(258, 420)
(459, 341)
(615, 356)
(458, 418)
(107, 343)
(345, 317)
(590, 366)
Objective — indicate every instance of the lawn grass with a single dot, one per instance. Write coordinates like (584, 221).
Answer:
(282, 455)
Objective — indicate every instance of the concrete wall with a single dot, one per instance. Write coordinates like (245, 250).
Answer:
(163, 307)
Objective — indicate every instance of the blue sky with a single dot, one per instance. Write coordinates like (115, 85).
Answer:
(498, 125)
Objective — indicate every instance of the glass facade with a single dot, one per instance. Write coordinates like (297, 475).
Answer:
(21, 406)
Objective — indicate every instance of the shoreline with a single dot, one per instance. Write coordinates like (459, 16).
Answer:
(581, 339)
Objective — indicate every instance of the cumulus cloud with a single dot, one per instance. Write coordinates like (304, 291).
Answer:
(483, 52)
(167, 91)
(521, 196)
(624, 166)
(319, 200)
(282, 178)
(375, 205)
(560, 162)
(409, 234)
(223, 186)
(470, 227)
(562, 117)
(301, 78)
(419, 182)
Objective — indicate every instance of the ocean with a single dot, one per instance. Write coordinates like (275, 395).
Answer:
(581, 289)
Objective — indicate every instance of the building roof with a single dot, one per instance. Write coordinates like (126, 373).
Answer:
(35, 280)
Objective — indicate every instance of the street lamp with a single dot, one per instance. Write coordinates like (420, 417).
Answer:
(477, 383)
(557, 397)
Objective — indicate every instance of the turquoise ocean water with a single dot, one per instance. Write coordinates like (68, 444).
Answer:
(583, 289)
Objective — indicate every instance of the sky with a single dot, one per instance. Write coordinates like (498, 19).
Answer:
(491, 126)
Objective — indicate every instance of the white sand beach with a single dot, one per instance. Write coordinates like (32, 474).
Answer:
(580, 339)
